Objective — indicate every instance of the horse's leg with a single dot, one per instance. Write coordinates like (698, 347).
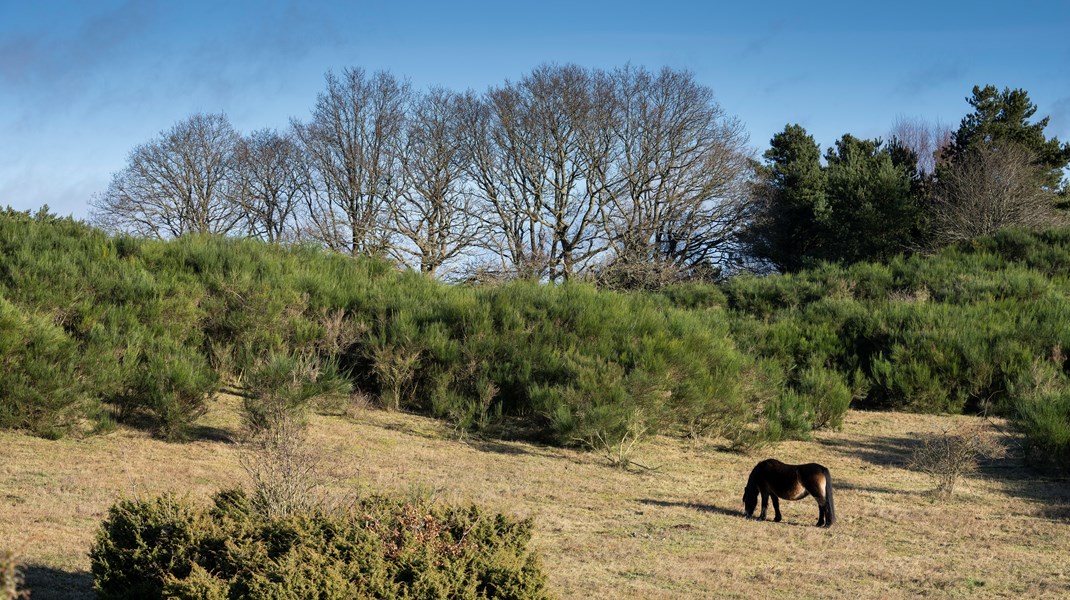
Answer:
(817, 490)
(776, 508)
(765, 505)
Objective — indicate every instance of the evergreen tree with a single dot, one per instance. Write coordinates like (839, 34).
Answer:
(1002, 117)
(873, 212)
(861, 206)
(790, 196)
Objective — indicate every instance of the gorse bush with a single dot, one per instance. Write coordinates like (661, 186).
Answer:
(41, 374)
(153, 328)
(379, 547)
(161, 325)
(284, 386)
(1042, 409)
(955, 332)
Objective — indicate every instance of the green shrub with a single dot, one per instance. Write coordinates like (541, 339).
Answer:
(285, 385)
(1045, 420)
(1042, 412)
(40, 375)
(827, 395)
(141, 542)
(379, 547)
(173, 384)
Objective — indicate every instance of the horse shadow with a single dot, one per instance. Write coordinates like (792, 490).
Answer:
(707, 508)
(47, 583)
(714, 509)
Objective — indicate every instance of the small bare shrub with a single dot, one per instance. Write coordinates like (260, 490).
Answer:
(275, 453)
(10, 579)
(638, 274)
(282, 468)
(952, 454)
(396, 366)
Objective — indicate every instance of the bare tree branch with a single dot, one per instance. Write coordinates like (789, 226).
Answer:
(990, 188)
(270, 182)
(433, 213)
(349, 142)
(176, 184)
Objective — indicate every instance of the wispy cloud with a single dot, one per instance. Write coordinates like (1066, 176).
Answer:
(761, 43)
(43, 58)
(930, 77)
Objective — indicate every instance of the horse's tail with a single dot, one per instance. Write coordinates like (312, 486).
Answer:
(830, 508)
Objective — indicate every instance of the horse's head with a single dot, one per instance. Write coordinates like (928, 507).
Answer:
(750, 500)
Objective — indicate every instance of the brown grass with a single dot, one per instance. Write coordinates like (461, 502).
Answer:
(603, 532)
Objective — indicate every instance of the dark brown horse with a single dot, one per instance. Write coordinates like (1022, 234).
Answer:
(790, 482)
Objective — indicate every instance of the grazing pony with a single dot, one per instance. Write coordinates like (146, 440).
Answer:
(790, 482)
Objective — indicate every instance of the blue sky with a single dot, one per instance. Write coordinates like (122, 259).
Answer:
(84, 81)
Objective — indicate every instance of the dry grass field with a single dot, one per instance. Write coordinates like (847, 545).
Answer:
(674, 532)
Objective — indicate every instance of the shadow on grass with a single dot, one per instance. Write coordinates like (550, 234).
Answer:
(1049, 493)
(209, 433)
(839, 484)
(789, 518)
(879, 451)
(708, 508)
(47, 583)
(496, 446)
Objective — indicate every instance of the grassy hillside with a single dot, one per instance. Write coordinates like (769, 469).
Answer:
(602, 532)
(98, 329)
(984, 327)
(145, 331)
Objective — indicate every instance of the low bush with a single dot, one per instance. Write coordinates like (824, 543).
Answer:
(1042, 412)
(379, 547)
(41, 375)
(10, 579)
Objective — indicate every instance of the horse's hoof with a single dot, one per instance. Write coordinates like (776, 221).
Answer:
(777, 520)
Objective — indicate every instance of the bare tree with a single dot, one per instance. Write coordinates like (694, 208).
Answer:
(355, 125)
(989, 188)
(507, 171)
(271, 179)
(680, 197)
(433, 212)
(539, 155)
(926, 140)
(176, 184)
(575, 146)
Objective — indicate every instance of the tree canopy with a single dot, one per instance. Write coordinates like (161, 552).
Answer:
(860, 205)
(1002, 117)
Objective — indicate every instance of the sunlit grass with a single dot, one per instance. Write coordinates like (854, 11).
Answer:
(602, 531)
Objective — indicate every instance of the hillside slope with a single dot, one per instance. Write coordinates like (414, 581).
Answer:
(602, 532)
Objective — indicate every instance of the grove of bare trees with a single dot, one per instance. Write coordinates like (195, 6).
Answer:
(630, 177)
(568, 171)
